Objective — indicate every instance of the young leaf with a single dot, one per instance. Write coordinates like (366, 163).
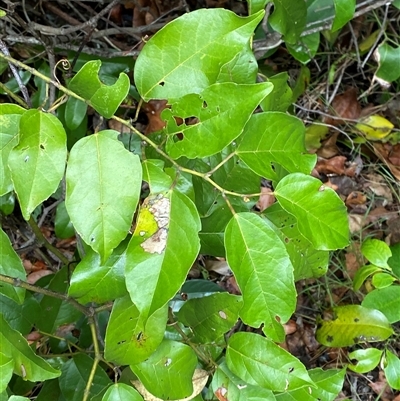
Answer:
(212, 38)
(173, 365)
(163, 247)
(321, 215)
(226, 383)
(307, 261)
(353, 324)
(281, 96)
(363, 273)
(93, 281)
(376, 252)
(75, 375)
(392, 370)
(289, 19)
(275, 137)
(220, 122)
(11, 265)
(26, 363)
(10, 115)
(121, 392)
(103, 182)
(37, 163)
(306, 48)
(367, 359)
(263, 272)
(328, 382)
(210, 317)
(260, 362)
(386, 300)
(344, 11)
(104, 99)
(130, 337)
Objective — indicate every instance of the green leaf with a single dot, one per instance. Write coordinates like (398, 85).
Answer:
(394, 261)
(328, 383)
(353, 324)
(362, 274)
(50, 391)
(386, 300)
(306, 48)
(173, 365)
(382, 280)
(58, 312)
(7, 203)
(11, 265)
(275, 137)
(210, 317)
(6, 370)
(26, 363)
(62, 223)
(104, 99)
(103, 182)
(37, 163)
(220, 122)
(13, 85)
(75, 112)
(344, 11)
(281, 96)
(260, 362)
(212, 38)
(388, 60)
(10, 115)
(263, 272)
(155, 176)
(75, 375)
(94, 281)
(396, 3)
(256, 5)
(121, 392)
(321, 215)
(376, 252)
(307, 261)
(130, 336)
(162, 250)
(392, 370)
(226, 383)
(18, 398)
(367, 359)
(289, 19)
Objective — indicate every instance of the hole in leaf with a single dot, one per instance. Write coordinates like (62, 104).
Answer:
(42, 146)
(205, 105)
(287, 240)
(218, 109)
(162, 83)
(121, 342)
(329, 339)
(178, 137)
(291, 370)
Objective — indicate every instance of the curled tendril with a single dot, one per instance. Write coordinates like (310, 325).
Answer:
(65, 65)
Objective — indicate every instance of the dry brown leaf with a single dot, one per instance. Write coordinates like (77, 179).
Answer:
(118, 126)
(35, 276)
(218, 266)
(345, 106)
(390, 155)
(354, 259)
(328, 147)
(382, 388)
(355, 198)
(376, 183)
(266, 199)
(153, 110)
(334, 165)
(356, 222)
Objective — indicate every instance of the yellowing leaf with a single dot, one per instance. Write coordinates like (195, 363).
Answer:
(375, 127)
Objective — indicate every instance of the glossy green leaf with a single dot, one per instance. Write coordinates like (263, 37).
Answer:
(10, 114)
(274, 137)
(7, 203)
(94, 281)
(281, 96)
(212, 38)
(62, 223)
(396, 3)
(389, 58)
(227, 384)
(103, 182)
(307, 261)
(11, 265)
(13, 85)
(162, 250)
(263, 273)
(328, 383)
(353, 324)
(362, 274)
(58, 312)
(210, 317)
(18, 398)
(321, 215)
(173, 365)
(344, 11)
(289, 19)
(306, 48)
(382, 280)
(6, 370)
(386, 300)
(75, 375)
(220, 122)
(50, 391)
(26, 363)
(261, 362)
(37, 163)
(130, 336)
(104, 99)
(376, 252)
(121, 392)
(394, 261)
(256, 5)
(155, 176)
(366, 359)
(75, 112)
(392, 370)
